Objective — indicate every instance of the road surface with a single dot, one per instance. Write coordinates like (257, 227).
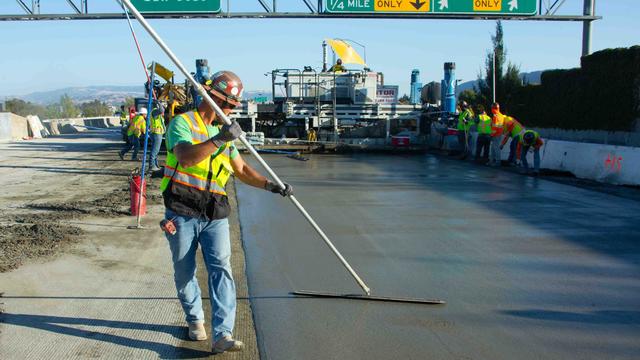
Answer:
(530, 269)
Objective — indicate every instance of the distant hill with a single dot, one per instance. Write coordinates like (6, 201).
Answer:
(113, 95)
(529, 78)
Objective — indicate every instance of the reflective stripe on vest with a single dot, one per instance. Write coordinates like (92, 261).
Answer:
(157, 125)
(196, 176)
(484, 124)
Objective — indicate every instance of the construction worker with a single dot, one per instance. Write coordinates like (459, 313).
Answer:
(337, 67)
(200, 159)
(134, 132)
(484, 136)
(531, 140)
(465, 120)
(124, 123)
(497, 128)
(312, 136)
(156, 130)
(512, 130)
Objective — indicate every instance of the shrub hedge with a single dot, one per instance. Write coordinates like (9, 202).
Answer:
(603, 94)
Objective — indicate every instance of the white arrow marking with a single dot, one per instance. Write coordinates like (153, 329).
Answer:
(445, 4)
(513, 4)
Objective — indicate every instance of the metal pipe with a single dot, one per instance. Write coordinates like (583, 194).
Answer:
(494, 76)
(589, 10)
(244, 141)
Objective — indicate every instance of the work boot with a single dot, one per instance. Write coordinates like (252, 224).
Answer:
(197, 331)
(121, 155)
(227, 343)
(155, 168)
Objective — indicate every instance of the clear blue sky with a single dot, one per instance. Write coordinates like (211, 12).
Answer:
(47, 55)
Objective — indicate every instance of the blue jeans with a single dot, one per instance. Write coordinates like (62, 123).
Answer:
(513, 147)
(213, 237)
(536, 158)
(134, 142)
(156, 142)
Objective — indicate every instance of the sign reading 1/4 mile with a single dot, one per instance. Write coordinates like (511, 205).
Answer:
(177, 6)
(499, 7)
(383, 6)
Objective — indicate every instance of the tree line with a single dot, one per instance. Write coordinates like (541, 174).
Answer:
(65, 108)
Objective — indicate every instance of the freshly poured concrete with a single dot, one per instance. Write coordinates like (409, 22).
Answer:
(530, 269)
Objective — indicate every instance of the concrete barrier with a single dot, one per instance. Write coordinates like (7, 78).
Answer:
(74, 125)
(611, 164)
(13, 127)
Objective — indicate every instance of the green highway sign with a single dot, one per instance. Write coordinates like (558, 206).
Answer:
(378, 6)
(499, 7)
(472, 7)
(177, 6)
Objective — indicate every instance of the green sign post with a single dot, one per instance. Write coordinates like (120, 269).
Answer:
(177, 6)
(472, 7)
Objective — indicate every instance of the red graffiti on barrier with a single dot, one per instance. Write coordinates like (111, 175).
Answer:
(613, 162)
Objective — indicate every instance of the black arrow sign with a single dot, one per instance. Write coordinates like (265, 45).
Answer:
(418, 4)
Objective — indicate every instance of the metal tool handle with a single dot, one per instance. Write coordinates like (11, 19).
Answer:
(242, 138)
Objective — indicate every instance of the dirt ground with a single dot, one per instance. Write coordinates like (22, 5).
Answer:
(75, 281)
(36, 229)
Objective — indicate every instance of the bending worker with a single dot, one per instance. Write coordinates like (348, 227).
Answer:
(157, 130)
(200, 159)
(134, 131)
(531, 140)
(512, 130)
(484, 136)
(465, 120)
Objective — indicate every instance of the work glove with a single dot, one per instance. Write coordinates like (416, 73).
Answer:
(227, 133)
(274, 188)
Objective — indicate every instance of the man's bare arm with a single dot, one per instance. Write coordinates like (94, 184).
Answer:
(247, 174)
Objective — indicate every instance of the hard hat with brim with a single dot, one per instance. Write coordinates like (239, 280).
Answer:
(225, 85)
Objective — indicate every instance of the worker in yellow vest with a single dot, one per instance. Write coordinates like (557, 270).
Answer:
(465, 121)
(337, 67)
(312, 136)
(484, 136)
(497, 129)
(156, 131)
(201, 157)
(124, 123)
(530, 140)
(512, 130)
(134, 132)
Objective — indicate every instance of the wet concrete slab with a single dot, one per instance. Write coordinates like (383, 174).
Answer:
(530, 269)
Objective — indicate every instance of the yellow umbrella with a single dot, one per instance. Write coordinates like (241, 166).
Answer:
(345, 52)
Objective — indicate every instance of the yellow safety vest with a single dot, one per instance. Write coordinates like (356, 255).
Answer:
(137, 126)
(157, 125)
(210, 174)
(484, 124)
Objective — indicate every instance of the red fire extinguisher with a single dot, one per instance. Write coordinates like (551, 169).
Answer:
(137, 201)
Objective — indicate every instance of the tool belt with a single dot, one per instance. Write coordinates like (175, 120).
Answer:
(188, 201)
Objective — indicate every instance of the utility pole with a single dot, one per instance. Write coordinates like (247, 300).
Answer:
(493, 87)
(589, 10)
